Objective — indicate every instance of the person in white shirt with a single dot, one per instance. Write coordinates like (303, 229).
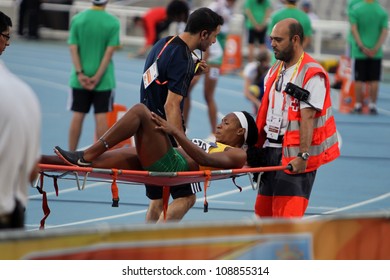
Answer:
(20, 135)
(213, 56)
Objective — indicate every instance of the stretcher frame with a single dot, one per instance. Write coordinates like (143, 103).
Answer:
(164, 179)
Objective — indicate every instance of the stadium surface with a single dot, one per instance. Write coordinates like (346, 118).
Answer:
(355, 184)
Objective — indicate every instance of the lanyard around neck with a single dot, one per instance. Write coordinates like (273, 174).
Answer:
(167, 43)
(162, 50)
(292, 77)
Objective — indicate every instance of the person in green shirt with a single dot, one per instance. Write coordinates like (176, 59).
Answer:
(93, 39)
(292, 11)
(257, 13)
(369, 27)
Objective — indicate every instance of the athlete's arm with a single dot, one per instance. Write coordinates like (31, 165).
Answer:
(230, 158)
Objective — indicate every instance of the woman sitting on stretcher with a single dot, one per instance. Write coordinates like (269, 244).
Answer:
(154, 152)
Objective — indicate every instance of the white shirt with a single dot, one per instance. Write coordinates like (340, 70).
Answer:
(250, 70)
(20, 136)
(316, 87)
(221, 8)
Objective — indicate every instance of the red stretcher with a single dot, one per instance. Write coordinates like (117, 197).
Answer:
(163, 179)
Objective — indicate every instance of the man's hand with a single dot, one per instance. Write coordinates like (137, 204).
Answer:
(201, 67)
(164, 125)
(298, 165)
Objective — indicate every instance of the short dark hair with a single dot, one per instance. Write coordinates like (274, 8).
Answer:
(178, 10)
(5, 22)
(203, 19)
(296, 28)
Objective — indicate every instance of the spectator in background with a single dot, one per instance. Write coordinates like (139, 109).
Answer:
(254, 74)
(338, 82)
(20, 136)
(158, 19)
(93, 39)
(307, 7)
(291, 10)
(369, 27)
(213, 56)
(29, 11)
(350, 5)
(257, 13)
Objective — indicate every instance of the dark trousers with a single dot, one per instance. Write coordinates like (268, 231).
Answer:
(29, 11)
(14, 220)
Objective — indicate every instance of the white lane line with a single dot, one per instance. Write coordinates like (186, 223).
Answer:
(95, 220)
(355, 205)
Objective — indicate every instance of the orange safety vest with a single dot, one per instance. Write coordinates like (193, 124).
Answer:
(324, 146)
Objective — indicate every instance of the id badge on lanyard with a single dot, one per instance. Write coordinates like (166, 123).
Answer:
(150, 75)
(274, 126)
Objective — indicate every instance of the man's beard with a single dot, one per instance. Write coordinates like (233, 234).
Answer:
(285, 55)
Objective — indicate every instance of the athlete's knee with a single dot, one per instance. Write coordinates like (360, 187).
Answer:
(191, 199)
(154, 210)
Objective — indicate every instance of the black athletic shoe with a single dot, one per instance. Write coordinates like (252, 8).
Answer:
(72, 158)
(373, 111)
(358, 110)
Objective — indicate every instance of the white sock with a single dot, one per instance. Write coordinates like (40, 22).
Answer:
(372, 105)
(358, 105)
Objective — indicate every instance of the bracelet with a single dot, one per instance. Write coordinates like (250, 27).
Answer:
(79, 72)
(104, 143)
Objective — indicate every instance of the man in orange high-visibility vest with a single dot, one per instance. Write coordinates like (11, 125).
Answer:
(301, 133)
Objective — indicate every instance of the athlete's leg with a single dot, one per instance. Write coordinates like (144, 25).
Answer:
(178, 208)
(121, 158)
(151, 143)
(154, 210)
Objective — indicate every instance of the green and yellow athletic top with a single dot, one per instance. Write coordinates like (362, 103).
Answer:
(209, 147)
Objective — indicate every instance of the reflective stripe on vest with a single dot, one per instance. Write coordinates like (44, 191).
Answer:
(324, 145)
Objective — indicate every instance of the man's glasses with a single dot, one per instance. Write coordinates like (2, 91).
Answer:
(7, 37)
(279, 82)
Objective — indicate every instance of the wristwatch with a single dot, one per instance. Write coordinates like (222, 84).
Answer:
(304, 156)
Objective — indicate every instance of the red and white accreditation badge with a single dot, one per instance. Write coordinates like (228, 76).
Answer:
(274, 126)
(150, 75)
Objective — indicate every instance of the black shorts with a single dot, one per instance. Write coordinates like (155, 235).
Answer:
(367, 69)
(279, 183)
(156, 192)
(81, 100)
(255, 35)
